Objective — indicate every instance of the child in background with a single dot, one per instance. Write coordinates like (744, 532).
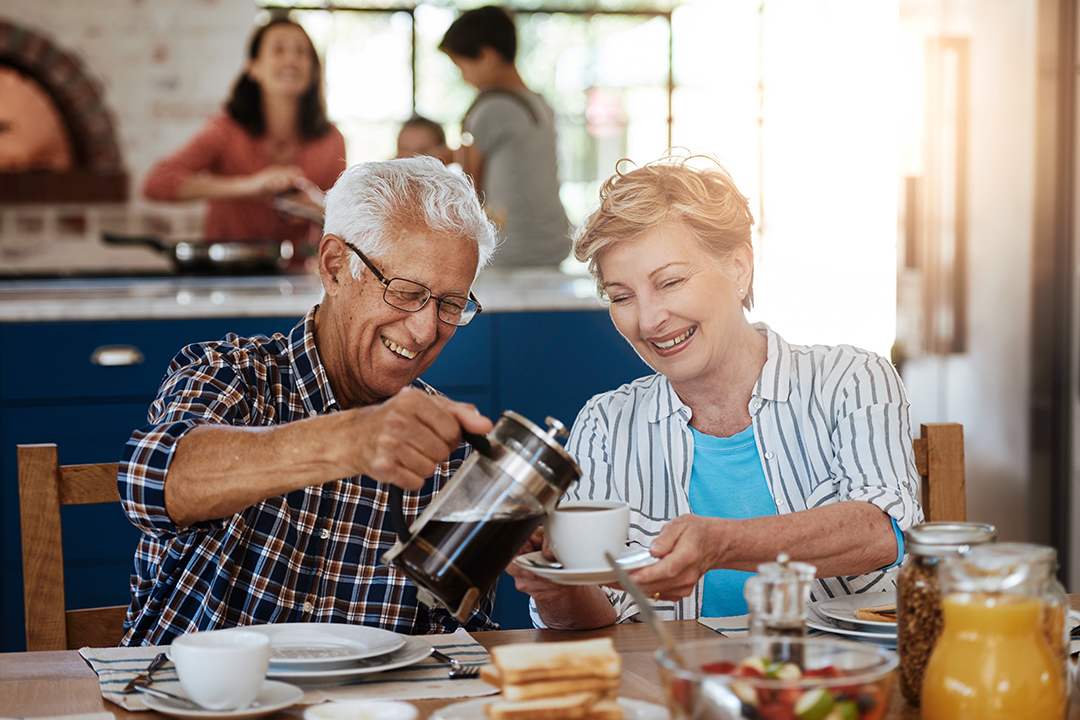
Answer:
(508, 142)
(422, 136)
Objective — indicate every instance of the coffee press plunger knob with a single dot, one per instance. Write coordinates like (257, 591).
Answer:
(556, 428)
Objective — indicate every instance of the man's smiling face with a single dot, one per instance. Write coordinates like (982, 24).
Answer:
(371, 349)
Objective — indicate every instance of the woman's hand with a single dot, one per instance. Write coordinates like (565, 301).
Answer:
(275, 179)
(571, 607)
(541, 590)
(687, 550)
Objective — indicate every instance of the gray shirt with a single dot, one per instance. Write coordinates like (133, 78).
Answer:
(516, 133)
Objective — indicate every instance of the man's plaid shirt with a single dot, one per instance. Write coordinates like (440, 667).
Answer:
(313, 555)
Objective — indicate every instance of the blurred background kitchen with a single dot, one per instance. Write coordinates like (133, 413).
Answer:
(911, 165)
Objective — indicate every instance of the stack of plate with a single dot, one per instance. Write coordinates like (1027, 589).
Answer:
(837, 616)
(334, 653)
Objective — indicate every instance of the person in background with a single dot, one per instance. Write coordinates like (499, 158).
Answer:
(259, 482)
(741, 446)
(422, 136)
(508, 141)
(265, 161)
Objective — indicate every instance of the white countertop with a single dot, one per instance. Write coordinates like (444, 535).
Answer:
(282, 296)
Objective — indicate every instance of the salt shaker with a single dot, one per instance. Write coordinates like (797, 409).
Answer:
(777, 597)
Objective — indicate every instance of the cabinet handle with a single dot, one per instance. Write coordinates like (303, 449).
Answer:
(116, 356)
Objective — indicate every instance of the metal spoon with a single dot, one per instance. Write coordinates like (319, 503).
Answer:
(714, 696)
(644, 606)
(183, 701)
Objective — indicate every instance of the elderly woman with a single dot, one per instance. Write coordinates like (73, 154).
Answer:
(741, 446)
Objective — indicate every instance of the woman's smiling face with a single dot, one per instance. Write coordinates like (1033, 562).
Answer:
(676, 305)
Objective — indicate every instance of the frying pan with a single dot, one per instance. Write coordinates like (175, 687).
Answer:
(215, 257)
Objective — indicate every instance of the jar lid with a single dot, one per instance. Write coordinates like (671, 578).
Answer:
(946, 538)
(1002, 556)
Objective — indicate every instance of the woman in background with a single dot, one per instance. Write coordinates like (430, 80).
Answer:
(264, 163)
(742, 445)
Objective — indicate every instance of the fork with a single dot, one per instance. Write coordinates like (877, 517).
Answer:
(143, 678)
(457, 670)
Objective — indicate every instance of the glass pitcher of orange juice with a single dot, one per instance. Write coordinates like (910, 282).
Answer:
(992, 660)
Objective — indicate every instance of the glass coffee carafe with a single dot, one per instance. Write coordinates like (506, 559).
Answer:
(455, 551)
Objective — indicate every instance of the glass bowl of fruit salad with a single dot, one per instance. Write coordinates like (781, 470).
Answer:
(773, 678)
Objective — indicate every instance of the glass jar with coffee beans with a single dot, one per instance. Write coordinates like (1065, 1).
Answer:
(918, 596)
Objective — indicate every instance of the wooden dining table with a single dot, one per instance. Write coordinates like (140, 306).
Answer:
(42, 684)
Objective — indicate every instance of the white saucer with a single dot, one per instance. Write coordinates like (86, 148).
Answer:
(633, 558)
(415, 650)
(474, 710)
(843, 609)
(273, 696)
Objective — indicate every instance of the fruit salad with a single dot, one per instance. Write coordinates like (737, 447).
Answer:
(790, 692)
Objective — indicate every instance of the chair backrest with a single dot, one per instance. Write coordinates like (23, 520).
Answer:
(45, 486)
(939, 458)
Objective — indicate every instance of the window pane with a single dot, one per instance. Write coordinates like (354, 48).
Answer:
(368, 76)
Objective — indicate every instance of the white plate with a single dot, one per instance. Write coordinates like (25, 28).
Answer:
(273, 696)
(474, 710)
(413, 652)
(325, 645)
(633, 558)
(825, 624)
(843, 609)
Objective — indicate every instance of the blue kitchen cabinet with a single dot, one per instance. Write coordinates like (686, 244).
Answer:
(534, 363)
(51, 392)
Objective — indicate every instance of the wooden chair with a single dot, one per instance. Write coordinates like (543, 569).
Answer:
(45, 486)
(939, 458)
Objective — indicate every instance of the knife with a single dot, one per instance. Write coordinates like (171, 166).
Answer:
(644, 605)
(143, 678)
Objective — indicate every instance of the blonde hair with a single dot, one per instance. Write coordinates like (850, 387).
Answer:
(668, 191)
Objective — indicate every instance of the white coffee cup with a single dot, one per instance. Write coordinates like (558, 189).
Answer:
(222, 669)
(581, 531)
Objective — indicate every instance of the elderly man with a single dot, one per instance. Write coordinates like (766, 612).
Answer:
(260, 482)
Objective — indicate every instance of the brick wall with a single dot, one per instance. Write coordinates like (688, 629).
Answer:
(163, 65)
(160, 67)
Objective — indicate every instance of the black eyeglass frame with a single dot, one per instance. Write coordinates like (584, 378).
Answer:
(438, 301)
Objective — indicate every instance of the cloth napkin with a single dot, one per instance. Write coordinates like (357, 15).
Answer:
(426, 679)
(730, 626)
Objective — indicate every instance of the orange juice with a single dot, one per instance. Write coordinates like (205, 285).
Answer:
(992, 662)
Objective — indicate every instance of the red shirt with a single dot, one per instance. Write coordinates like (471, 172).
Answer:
(223, 147)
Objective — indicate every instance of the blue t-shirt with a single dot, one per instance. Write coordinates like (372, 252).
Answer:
(727, 481)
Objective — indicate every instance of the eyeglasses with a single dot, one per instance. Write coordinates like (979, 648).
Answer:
(412, 297)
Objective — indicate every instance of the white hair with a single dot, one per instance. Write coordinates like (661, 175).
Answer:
(373, 198)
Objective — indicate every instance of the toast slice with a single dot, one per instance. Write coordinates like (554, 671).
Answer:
(878, 613)
(547, 662)
(555, 688)
(565, 707)
(605, 710)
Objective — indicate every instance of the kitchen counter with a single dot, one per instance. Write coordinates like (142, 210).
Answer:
(272, 296)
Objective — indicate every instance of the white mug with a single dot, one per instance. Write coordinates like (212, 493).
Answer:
(221, 669)
(581, 531)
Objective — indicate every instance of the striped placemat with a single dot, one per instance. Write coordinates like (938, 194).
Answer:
(426, 679)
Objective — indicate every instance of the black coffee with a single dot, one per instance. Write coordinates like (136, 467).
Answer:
(581, 509)
(449, 557)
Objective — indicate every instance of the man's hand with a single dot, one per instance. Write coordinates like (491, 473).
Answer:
(402, 440)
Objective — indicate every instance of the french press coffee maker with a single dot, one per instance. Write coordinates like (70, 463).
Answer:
(455, 551)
